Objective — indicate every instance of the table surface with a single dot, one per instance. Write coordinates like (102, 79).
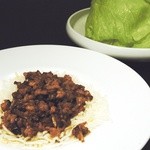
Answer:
(31, 22)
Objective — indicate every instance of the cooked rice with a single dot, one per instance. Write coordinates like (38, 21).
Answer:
(96, 113)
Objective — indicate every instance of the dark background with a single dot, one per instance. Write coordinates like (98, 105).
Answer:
(28, 22)
(25, 22)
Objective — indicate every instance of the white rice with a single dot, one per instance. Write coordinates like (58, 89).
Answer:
(95, 114)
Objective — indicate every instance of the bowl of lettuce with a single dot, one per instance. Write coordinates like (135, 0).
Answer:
(117, 28)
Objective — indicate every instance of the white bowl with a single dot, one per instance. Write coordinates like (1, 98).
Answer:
(75, 28)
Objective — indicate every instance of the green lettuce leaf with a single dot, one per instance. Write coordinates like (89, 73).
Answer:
(120, 22)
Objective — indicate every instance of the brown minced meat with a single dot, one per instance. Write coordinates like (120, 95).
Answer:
(45, 102)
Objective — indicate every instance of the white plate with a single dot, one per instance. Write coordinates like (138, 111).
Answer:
(76, 30)
(128, 95)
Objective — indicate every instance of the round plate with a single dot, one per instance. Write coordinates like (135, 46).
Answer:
(127, 94)
(75, 28)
